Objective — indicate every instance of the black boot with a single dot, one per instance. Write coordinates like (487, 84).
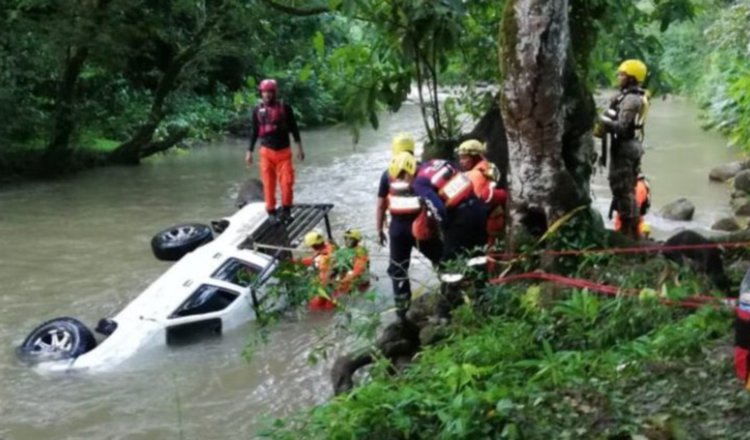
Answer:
(286, 215)
(273, 217)
(402, 297)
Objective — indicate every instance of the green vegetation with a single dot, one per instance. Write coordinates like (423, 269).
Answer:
(707, 59)
(535, 361)
(530, 360)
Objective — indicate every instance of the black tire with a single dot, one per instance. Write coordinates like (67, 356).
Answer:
(57, 339)
(174, 243)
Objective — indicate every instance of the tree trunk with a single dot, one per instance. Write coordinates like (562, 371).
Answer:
(58, 150)
(141, 144)
(535, 48)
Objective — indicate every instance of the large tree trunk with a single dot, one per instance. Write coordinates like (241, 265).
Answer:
(58, 150)
(535, 48)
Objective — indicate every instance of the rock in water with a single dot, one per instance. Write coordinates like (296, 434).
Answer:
(727, 224)
(742, 181)
(741, 207)
(722, 173)
(681, 209)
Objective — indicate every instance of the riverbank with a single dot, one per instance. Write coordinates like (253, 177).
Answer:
(541, 361)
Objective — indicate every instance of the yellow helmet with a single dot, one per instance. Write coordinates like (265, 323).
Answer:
(645, 229)
(314, 238)
(403, 142)
(403, 162)
(353, 234)
(472, 147)
(635, 68)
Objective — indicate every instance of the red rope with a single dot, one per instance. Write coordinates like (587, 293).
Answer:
(629, 250)
(692, 302)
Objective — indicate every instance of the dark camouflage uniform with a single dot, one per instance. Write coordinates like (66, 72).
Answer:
(626, 155)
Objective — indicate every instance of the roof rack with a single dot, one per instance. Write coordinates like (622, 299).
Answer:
(274, 236)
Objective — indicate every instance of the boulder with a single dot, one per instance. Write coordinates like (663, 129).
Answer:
(739, 194)
(740, 266)
(728, 224)
(741, 207)
(681, 209)
(742, 181)
(722, 173)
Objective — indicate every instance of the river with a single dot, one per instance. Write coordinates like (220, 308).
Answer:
(79, 247)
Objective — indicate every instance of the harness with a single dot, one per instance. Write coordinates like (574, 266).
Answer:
(453, 186)
(637, 131)
(271, 117)
(401, 199)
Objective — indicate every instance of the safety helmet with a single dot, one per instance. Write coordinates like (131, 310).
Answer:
(314, 238)
(403, 162)
(268, 85)
(635, 68)
(472, 147)
(645, 229)
(353, 234)
(403, 142)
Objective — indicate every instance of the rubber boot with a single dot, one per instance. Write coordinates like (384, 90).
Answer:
(286, 215)
(402, 297)
(273, 217)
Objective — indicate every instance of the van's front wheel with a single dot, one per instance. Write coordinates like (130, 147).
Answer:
(57, 339)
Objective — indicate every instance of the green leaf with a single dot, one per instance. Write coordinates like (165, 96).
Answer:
(319, 44)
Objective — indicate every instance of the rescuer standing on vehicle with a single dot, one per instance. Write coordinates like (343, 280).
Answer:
(272, 122)
(396, 197)
(623, 122)
(484, 177)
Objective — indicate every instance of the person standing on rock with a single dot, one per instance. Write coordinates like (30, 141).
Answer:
(623, 123)
(272, 122)
(397, 199)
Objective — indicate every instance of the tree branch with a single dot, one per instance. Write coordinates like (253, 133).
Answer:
(302, 12)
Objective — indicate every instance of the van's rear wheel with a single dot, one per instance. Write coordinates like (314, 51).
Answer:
(174, 243)
(57, 339)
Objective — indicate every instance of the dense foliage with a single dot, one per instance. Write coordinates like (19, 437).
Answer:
(708, 60)
(546, 364)
(117, 80)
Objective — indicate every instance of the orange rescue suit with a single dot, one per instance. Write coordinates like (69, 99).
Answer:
(485, 188)
(359, 273)
(642, 195)
(321, 261)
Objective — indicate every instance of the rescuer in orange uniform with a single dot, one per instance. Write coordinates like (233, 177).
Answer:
(643, 203)
(320, 261)
(484, 177)
(272, 122)
(354, 271)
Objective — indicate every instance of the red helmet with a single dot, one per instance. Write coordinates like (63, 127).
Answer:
(268, 85)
